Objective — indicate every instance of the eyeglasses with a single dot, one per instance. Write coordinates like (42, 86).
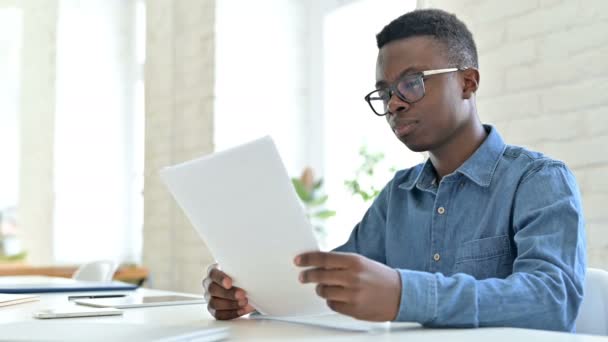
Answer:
(409, 88)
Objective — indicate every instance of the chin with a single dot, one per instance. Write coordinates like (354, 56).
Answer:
(413, 145)
(417, 148)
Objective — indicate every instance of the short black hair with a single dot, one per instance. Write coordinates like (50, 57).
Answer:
(441, 25)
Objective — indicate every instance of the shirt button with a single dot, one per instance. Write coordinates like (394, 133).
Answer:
(441, 210)
(436, 257)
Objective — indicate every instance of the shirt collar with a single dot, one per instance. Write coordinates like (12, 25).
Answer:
(479, 168)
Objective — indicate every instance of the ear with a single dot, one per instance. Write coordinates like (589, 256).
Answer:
(470, 79)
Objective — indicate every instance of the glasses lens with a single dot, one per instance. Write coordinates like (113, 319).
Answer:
(411, 88)
(378, 100)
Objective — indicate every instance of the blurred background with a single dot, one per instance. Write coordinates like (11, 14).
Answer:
(96, 96)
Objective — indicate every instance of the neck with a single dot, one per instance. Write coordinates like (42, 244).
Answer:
(454, 152)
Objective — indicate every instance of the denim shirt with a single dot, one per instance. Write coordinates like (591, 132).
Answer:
(498, 242)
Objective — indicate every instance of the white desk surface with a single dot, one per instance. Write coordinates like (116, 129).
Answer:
(245, 329)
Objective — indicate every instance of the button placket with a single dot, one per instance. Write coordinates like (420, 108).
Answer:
(444, 189)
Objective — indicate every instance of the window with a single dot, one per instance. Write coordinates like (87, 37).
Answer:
(99, 131)
(349, 59)
(10, 40)
(299, 71)
(261, 76)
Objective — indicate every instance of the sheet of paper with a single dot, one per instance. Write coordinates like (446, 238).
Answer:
(242, 203)
(332, 321)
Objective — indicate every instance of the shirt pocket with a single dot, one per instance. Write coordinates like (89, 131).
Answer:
(485, 258)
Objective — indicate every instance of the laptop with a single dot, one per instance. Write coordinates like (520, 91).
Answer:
(243, 205)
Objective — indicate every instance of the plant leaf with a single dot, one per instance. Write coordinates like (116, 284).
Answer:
(324, 214)
(300, 190)
(318, 201)
(318, 184)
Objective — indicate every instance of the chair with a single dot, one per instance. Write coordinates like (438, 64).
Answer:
(100, 271)
(593, 315)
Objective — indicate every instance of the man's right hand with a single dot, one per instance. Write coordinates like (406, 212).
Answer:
(225, 301)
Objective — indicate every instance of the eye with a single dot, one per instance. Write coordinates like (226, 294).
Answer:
(409, 84)
(382, 94)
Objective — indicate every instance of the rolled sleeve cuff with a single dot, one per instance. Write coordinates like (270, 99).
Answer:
(418, 297)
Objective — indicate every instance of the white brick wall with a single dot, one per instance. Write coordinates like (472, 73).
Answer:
(544, 80)
(179, 82)
(37, 117)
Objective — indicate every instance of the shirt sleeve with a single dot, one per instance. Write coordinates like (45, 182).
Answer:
(545, 289)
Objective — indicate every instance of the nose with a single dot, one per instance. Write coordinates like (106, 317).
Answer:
(397, 105)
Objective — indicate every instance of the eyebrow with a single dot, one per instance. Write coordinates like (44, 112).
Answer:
(412, 69)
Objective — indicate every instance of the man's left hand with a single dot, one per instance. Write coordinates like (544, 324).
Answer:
(353, 285)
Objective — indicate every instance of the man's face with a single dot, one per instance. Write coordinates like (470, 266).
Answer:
(428, 124)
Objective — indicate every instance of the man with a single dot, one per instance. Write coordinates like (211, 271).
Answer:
(482, 234)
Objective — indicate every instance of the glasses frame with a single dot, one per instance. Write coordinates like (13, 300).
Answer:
(392, 88)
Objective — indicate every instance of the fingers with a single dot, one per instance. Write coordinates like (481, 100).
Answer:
(246, 310)
(329, 260)
(340, 307)
(226, 304)
(234, 293)
(334, 293)
(220, 278)
(223, 315)
(229, 314)
(327, 277)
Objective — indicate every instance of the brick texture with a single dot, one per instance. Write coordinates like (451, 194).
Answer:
(544, 77)
(37, 118)
(179, 126)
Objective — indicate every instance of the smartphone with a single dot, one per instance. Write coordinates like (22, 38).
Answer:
(76, 311)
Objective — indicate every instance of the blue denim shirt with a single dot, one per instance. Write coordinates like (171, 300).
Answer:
(498, 242)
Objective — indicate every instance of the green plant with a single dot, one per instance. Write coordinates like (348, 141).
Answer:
(362, 185)
(310, 193)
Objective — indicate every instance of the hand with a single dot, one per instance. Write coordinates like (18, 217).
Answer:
(353, 285)
(224, 301)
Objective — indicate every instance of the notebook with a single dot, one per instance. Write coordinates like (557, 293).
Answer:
(243, 204)
(42, 284)
(76, 330)
(13, 299)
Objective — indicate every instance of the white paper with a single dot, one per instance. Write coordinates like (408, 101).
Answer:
(332, 321)
(242, 203)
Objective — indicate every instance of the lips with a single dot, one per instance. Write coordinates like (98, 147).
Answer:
(404, 128)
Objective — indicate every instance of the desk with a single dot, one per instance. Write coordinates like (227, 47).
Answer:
(259, 330)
